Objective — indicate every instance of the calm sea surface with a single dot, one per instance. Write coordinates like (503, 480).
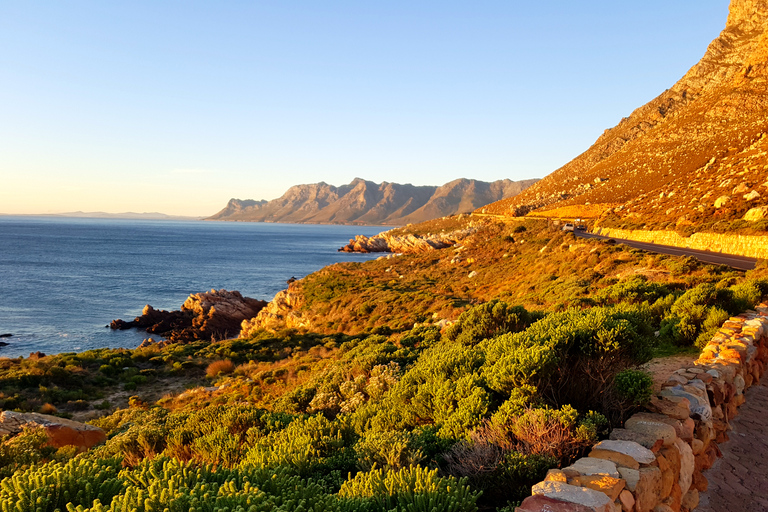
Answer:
(62, 279)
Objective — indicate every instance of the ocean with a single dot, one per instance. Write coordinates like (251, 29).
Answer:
(62, 280)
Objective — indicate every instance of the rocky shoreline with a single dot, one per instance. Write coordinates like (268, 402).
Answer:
(208, 316)
(408, 243)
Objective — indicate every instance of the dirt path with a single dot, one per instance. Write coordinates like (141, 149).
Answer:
(739, 480)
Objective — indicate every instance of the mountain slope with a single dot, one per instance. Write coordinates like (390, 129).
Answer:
(673, 158)
(365, 202)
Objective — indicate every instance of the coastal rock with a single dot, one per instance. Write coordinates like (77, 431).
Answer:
(400, 242)
(755, 214)
(203, 316)
(280, 312)
(60, 431)
(219, 313)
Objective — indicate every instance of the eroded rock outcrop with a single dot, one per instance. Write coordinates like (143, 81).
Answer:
(203, 316)
(281, 312)
(406, 243)
(60, 431)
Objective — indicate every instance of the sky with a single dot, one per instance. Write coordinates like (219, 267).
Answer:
(176, 107)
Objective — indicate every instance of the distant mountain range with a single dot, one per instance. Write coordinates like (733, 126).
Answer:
(125, 215)
(365, 202)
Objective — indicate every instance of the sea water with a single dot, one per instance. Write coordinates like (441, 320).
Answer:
(62, 280)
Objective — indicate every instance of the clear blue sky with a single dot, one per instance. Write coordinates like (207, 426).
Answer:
(178, 106)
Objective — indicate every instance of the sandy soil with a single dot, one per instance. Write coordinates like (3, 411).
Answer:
(662, 367)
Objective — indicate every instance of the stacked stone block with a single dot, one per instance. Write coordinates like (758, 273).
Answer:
(656, 462)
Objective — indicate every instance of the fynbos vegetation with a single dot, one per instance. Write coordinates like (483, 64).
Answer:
(460, 410)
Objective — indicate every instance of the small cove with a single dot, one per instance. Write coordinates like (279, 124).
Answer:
(62, 280)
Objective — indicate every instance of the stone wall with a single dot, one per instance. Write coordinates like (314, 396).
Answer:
(739, 245)
(655, 462)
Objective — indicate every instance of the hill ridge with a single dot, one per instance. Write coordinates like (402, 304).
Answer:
(671, 159)
(366, 202)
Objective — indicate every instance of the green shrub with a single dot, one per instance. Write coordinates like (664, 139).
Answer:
(55, 486)
(519, 472)
(633, 387)
(27, 447)
(716, 317)
(486, 321)
(387, 450)
(636, 289)
(570, 357)
(413, 488)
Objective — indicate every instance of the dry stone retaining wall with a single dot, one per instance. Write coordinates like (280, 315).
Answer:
(655, 462)
(739, 245)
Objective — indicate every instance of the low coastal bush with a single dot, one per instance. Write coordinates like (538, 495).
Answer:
(413, 488)
(217, 368)
(389, 405)
(486, 321)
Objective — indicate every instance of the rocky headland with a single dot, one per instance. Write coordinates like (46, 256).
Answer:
(400, 241)
(406, 243)
(212, 315)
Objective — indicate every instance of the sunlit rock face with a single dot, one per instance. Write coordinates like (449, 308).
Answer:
(365, 202)
(672, 159)
(60, 431)
(212, 315)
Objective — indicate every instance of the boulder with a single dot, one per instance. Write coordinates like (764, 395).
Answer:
(691, 499)
(627, 501)
(687, 465)
(591, 466)
(722, 201)
(60, 431)
(622, 434)
(647, 489)
(539, 503)
(212, 315)
(672, 406)
(635, 451)
(752, 195)
(595, 501)
(609, 486)
(653, 425)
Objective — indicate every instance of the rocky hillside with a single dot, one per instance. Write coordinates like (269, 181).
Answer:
(694, 156)
(365, 202)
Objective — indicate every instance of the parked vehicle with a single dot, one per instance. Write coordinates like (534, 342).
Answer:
(568, 227)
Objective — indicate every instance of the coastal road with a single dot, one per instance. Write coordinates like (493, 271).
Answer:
(738, 262)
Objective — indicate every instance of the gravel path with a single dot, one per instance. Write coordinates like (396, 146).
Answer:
(739, 480)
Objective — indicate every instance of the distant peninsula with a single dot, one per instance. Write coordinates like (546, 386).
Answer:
(366, 202)
(124, 216)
